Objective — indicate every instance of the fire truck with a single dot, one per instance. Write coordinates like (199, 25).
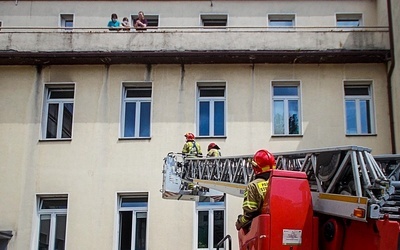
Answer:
(336, 198)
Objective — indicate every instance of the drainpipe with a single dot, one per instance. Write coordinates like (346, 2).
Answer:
(389, 76)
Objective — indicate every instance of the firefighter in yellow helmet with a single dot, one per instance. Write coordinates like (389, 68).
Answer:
(191, 148)
(263, 161)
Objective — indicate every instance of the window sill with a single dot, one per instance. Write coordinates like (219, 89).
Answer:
(55, 139)
(133, 138)
(279, 136)
(211, 137)
(355, 135)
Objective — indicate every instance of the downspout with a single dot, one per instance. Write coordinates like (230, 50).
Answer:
(389, 76)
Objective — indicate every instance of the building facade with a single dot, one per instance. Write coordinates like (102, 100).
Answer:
(87, 113)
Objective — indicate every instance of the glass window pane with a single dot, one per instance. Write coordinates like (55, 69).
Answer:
(52, 118)
(348, 23)
(67, 120)
(293, 117)
(130, 114)
(204, 118)
(219, 232)
(125, 230)
(140, 237)
(61, 224)
(351, 117)
(61, 93)
(219, 118)
(212, 92)
(356, 90)
(144, 119)
(44, 232)
(285, 91)
(365, 117)
(202, 231)
(138, 92)
(134, 202)
(279, 124)
(54, 204)
(280, 23)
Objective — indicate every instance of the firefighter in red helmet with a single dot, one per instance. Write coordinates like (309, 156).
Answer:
(263, 161)
(213, 150)
(191, 148)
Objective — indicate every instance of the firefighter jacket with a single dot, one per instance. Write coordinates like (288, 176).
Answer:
(253, 201)
(213, 153)
(192, 149)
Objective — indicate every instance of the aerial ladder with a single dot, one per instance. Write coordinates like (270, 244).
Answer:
(336, 198)
(390, 165)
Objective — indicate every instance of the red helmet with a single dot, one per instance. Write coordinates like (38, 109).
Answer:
(189, 136)
(263, 161)
(212, 145)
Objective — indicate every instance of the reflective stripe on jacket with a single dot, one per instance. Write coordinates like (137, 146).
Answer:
(192, 148)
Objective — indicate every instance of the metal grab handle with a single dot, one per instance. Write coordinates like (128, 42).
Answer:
(222, 241)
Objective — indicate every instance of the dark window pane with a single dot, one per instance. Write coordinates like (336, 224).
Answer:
(351, 121)
(293, 118)
(204, 119)
(52, 118)
(202, 231)
(67, 120)
(353, 90)
(365, 117)
(138, 92)
(140, 237)
(130, 115)
(134, 202)
(54, 204)
(219, 232)
(61, 224)
(144, 119)
(285, 90)
(44, 232)
(61, 93)
(125, 231)
(219, 118)
(212, 92)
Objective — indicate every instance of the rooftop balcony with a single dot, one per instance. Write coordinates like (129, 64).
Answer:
(175, 45)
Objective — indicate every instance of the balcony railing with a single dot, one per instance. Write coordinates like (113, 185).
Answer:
(195, 45)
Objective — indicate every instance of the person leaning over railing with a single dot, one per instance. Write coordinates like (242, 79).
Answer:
(114, 23)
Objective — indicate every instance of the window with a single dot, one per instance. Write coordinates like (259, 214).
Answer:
(152, 20)
(211, 109)
(67, 21)
(359, 111)
(214, 19)
(210, 223)
(1, 24)
(281, 20)
(52, 213)
(348, 20)
(132, 221)
(58, 111)
(136, 110)
(286, 108)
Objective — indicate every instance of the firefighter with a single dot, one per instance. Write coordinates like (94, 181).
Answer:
(262, 162)
(191, 147)
(213, 150)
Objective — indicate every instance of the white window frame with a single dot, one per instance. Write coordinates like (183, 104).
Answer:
(53, 214)
(281, 17)
(213, 18)
(137, 100)
(357, 99)
(60, 102)
(135, 210)
(351, 16)
(66, 17)
(210, 208)
(211, 100)
(286, 99)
